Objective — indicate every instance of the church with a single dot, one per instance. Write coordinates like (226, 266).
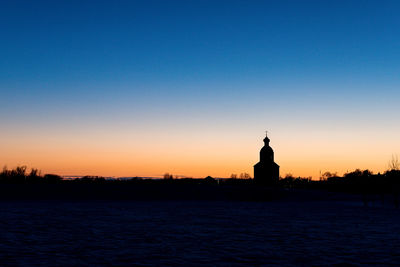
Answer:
(266, 171)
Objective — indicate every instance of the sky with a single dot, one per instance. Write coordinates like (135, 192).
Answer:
(141, 88)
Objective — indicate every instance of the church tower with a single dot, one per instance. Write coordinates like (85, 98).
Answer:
(266, 171)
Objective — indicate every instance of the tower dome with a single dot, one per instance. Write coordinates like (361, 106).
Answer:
(266, 154)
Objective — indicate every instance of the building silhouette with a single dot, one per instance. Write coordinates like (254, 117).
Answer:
(266, 171)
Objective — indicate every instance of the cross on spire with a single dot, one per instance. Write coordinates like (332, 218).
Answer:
(266, 133)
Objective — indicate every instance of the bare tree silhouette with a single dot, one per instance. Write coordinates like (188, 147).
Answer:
(245, 176)
(168, 176)
(394, 164)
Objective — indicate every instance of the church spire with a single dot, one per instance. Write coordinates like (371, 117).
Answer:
(266, 139)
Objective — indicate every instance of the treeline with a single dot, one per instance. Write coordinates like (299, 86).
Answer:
(21, 175)
(358, 181)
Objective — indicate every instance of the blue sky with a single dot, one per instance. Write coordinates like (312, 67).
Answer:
(187, 66)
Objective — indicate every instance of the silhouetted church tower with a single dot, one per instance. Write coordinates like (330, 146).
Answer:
(266, 171)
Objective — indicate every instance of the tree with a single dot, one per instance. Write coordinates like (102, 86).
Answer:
(394, 164)
(168, 176)
(289, 176)
(245, 176)
(326, 175)
(34, 176)
(233, 176)
(19, 174)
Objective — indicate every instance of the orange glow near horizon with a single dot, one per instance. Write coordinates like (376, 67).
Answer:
(196, 155)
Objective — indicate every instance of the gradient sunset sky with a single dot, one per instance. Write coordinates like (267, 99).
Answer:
(140, 88)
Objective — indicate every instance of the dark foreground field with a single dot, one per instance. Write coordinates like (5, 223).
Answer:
(198, 233)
